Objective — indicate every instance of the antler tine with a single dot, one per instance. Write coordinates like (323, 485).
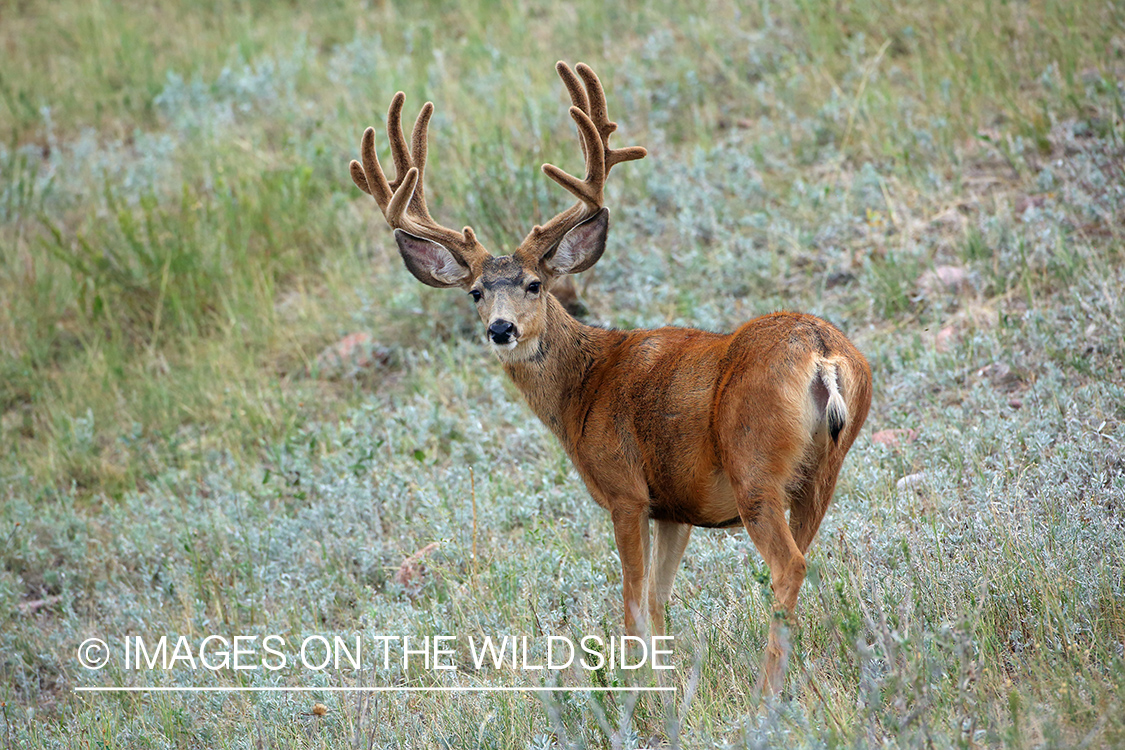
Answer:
(418, 148)
(359, 177)
(397, 140)
(369, 176)
(573, 86)
(600, 116)
(589, 190)
(578, 96)
(594, 128)
(400, 201)
(403, 200)
(597, 110)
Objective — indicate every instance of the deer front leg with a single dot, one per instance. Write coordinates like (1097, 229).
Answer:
(630, 529)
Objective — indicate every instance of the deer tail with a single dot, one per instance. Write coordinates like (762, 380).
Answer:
(835, 410)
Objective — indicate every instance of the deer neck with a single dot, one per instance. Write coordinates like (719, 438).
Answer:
(549, 377)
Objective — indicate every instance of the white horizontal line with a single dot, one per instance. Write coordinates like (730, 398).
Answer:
(377, 689)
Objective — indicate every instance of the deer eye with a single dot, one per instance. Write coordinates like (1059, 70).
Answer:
(475, 294)
(533, 287)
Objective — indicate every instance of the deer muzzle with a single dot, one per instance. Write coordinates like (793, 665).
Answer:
(502, 332)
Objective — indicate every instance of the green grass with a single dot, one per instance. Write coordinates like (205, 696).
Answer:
(179, 239)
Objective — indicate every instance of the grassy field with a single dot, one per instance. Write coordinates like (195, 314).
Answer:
(180, 240)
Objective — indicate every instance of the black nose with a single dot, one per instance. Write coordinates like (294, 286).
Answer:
(501, 331)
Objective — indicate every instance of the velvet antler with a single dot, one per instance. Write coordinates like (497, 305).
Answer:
(594, 128)
(403, 201)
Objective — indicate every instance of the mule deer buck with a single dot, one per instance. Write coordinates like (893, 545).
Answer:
(678, 426)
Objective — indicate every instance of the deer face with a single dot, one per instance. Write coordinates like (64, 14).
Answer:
(510, 298)
(509, 291)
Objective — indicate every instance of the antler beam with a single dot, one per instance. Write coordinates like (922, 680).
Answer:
(594, 128)
(403, 200)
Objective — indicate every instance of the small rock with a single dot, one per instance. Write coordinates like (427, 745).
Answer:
(953, 277)
(1091, 75)
(35, 605)
(1015, 403)
(950, 279)
(943, 342)
(839, 278)
(349, 355)
(995, 372)
(891, 438)
(1001, 376)
(911, 480)
(412, 573)
(1025, 202)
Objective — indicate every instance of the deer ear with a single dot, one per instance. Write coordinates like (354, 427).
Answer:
(581, 247)
(430, 262)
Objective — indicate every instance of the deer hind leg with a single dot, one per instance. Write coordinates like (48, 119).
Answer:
(670, 539)
(809, 500)
(762, 506)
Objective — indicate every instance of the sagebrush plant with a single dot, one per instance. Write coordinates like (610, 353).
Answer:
(180, 238)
